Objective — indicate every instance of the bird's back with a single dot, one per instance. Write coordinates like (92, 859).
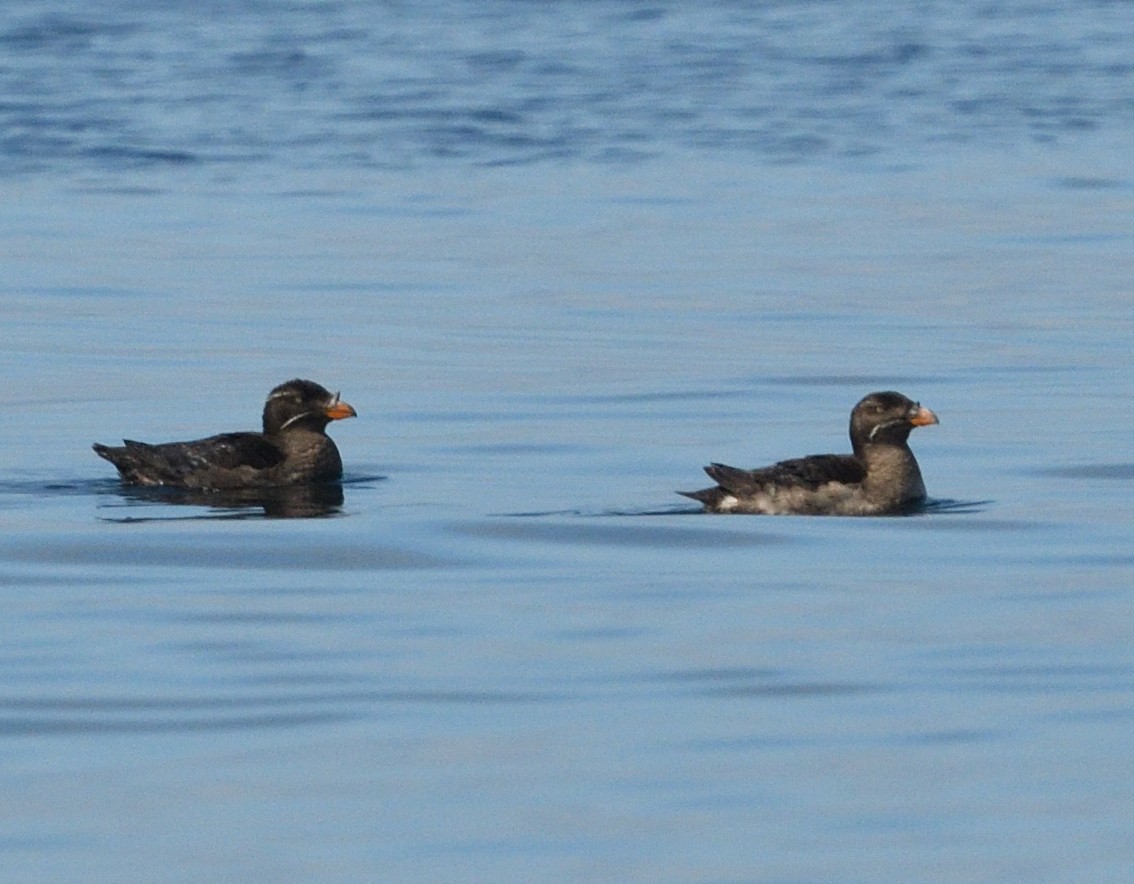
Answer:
(224, 461)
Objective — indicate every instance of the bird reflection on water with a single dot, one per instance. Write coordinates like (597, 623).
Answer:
(310, 501)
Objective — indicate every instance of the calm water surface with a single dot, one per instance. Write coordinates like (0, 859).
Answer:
(558, 258)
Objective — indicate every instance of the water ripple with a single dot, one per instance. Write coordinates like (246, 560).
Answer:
(645, 537)
(220, 554)
(33, 717)
(341, 85)
(1123, 472)
(759, 682)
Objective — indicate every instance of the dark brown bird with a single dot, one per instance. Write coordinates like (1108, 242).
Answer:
(293, 449)
(880, 478)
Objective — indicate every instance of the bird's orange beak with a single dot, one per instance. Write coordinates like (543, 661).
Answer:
(923, 417)
(338, 409)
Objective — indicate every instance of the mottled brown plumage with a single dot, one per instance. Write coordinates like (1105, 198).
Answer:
(292, 449)
(881, 477)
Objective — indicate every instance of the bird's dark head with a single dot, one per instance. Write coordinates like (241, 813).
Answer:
(300, 403)
(886, 418)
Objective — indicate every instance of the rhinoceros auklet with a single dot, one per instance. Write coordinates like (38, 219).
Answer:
(880, 478)
(293, 449)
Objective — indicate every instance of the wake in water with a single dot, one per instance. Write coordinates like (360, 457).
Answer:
(947, 506)
(934, 506)
(676, 509)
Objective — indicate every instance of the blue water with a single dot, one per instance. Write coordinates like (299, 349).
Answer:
(559, 256)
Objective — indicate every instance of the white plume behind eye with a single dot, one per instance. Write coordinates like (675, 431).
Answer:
(294, 418)
(882, 427)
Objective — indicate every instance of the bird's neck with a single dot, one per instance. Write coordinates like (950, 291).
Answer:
(893, 465)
